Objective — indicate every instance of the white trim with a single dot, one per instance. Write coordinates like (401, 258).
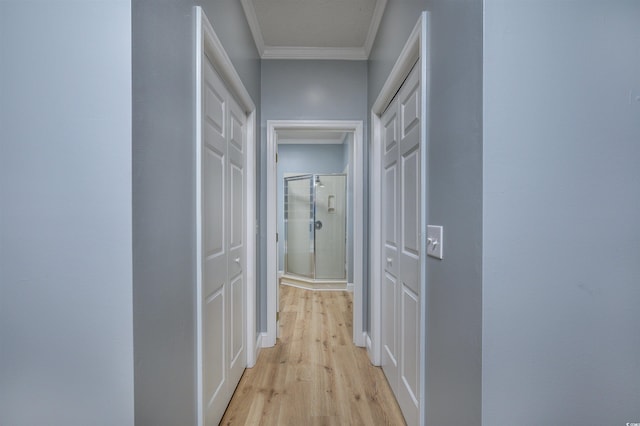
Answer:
(208, 43)
(198, 95)
(295, 52)
(415, 49)
(254, 26)
(250, 232)
(356, 167)
(300, 286)
(258, 347)
(408, 57)
(375, 24)
(368, 345)
(375, 248)
(299, 52)
(350, 287)
(425, 75)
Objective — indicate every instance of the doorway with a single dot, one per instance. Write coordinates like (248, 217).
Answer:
(276, 128)
(225, 238)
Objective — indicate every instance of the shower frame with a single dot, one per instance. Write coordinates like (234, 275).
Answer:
(314, 180)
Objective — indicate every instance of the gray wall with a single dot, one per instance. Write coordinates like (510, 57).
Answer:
(561, 206)
(303, 159)
(455, 195)
(163, 195)
(66, 345)
(311, 90)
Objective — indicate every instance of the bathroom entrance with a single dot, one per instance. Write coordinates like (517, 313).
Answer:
(312, 151)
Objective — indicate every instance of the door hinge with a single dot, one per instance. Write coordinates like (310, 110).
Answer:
(277, 316)
(276, 157)
(277, 237)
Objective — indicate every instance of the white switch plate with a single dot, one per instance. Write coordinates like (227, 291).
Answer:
(434, 241)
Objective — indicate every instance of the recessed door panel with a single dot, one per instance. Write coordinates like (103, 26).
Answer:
(410, 216)
(410, 355)
(410, 338)
(410, 111)
(214, 108)
(237, 138)
(390, 133)
(237, 320)
(410, 220)
(213, 360)
(390, 205)
(236, 221)
(389, 330)
(213, 187)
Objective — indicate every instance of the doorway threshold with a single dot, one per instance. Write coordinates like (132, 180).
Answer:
(311, 284)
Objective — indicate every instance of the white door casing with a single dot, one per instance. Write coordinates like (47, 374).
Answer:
(225, 228)
(356, 167)
(398, 239)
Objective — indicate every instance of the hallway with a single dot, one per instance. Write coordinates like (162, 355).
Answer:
(314, 374)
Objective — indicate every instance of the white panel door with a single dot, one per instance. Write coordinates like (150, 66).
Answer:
(236, 242)
(223, 217)
(409, 253)
(401, 235)
(390, 231)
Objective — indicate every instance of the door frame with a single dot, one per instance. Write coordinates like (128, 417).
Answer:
(207, 43)
(415, 49)
(356, 168)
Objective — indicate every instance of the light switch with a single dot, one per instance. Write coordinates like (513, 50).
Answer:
(434, 241)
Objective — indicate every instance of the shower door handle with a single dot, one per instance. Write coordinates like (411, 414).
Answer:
(318, 224)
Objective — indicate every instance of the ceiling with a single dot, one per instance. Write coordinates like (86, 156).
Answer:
(314, 29)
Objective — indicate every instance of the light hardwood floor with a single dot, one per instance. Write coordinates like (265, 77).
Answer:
(314, 375)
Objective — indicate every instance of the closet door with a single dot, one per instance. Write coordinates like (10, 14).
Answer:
(223, 355)
(390, 233)
(401, 234)
(236, 242)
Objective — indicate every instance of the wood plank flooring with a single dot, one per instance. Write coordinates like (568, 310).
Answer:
(314, 375)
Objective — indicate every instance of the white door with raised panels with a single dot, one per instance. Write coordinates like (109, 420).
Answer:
(401, 241)
(222, 338)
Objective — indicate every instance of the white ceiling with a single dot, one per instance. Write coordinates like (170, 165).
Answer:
(314, 29)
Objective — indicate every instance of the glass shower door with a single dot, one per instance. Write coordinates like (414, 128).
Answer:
(298, 226)
(330, 227)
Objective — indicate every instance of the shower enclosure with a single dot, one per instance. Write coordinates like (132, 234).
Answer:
(315, 226)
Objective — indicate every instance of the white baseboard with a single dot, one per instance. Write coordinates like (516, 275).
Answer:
(258, 346)
(369, 346)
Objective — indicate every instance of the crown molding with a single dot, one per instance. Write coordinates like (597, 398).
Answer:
(292, 52)
(254, 26)
(375, 24)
